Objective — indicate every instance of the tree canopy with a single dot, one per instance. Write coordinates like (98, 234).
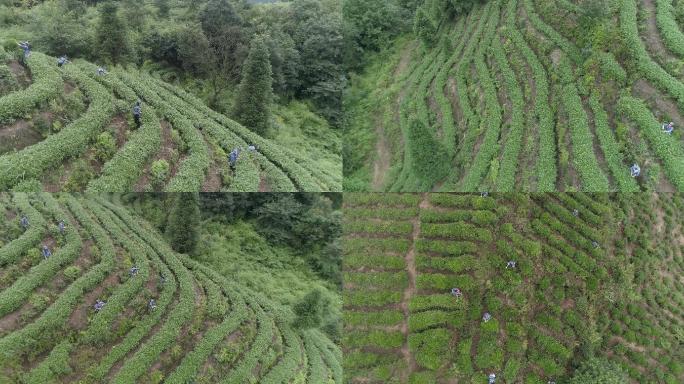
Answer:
(599, 371)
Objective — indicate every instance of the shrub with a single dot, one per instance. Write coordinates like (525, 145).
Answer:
(30, 185)
(105, 147)
(81, 174)
(71, 273)
(599, 371)
(430, 159)
(159, 172)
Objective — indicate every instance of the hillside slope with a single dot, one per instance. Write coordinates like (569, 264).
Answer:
(205, 328)
(565, 300)
(525, 95)
(182, 145)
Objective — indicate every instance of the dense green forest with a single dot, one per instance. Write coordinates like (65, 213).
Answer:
(531, 95)
(272, 74)
(175, 288)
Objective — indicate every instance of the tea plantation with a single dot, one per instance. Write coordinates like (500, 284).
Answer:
(82, 314)
(593, 277)
(523, 95)
(71, 128)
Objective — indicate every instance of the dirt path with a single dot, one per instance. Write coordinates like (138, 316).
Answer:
(120, 126)
(383, 157)
(405, 59)
(263, 184)
(166, 152)
(18, 135)
(212, 183)
(410, 291)
(652, 38)
(20, 73)
(598, 150)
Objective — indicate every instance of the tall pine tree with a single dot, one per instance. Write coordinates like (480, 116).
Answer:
(253, 103)
(111, 34)
(182, 228)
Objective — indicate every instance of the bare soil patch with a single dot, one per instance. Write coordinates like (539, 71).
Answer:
(18, 135)
(20, 73)
(120, 125)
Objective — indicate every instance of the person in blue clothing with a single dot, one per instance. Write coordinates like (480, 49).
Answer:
(46, 252)
(24, 221)
(99, 304)
(62, 60)
(668, 128)
(233, 158)
(635, 170)
(24, 45)
(492, 378)
(137, 113)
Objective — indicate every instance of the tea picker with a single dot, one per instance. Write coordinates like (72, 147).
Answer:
(137, 112)
(99, 304)
(24, 221)
(24, 45)
(233, 158)
(62, 60)
(46, 252)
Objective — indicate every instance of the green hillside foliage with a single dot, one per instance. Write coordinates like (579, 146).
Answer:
(201, 49)
(599, 371)
(226, 315)
(79, 124)
(524, 94)
(595, 295)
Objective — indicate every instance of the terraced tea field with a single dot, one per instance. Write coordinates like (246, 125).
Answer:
(201, 327)
(526, 95)
(594, 275)
(71, 129)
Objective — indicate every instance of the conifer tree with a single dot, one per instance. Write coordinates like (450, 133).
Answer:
(111, 34)
(253, 103)
(311, 310)
(182, 228)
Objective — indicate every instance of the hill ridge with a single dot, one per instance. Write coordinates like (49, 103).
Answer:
(203, 137)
